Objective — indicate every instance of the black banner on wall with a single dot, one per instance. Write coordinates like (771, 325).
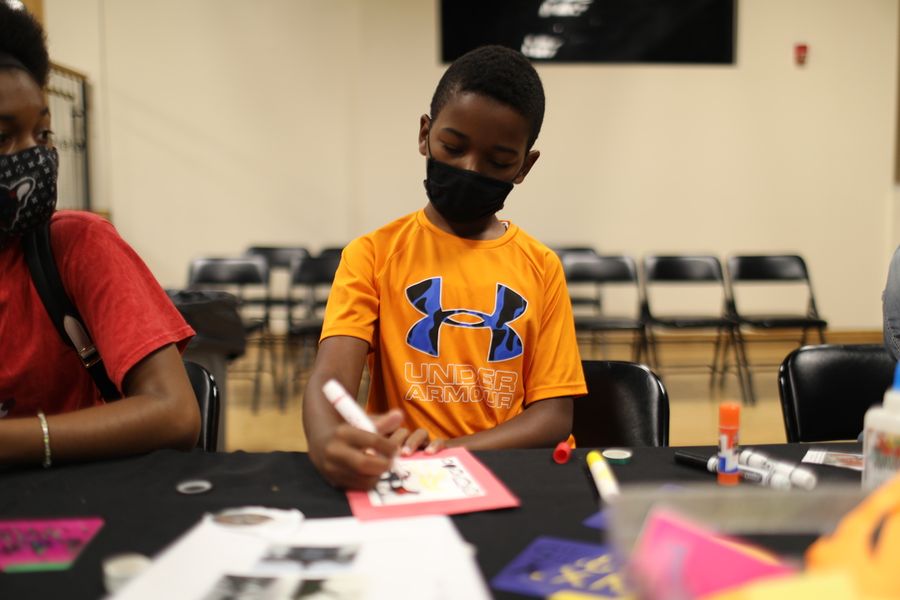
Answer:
(604, 31)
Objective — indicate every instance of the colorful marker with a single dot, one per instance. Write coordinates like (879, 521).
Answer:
(797, 475)
(606, 483)
(348, 408)
(761, 476)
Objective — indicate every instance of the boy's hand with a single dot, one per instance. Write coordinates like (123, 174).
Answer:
(355, 459)
(417, 440)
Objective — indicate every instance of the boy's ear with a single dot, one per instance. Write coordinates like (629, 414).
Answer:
(424, 128)
(529, 162)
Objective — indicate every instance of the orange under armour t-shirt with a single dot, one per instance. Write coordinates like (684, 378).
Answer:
(463, 334)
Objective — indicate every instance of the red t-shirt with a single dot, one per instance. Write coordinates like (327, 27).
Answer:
(126, 312)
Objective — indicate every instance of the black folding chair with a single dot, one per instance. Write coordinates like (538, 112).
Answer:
(590, 298)
(626, 405)
(330, 252)
(278, 259)
(310, 280)
(826, 390)
(208, 400)
(688, 272)
(248, 278)
(601, 272)
(765, 272)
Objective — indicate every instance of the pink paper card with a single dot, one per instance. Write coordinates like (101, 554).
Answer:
(447, 483)
(44, 544)
(676, 558)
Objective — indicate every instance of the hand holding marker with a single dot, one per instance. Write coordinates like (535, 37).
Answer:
(349, 409)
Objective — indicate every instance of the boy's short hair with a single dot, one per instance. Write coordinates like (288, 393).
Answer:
(499, 73)
(22, 38)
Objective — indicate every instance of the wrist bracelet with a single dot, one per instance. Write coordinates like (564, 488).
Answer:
(45, 430)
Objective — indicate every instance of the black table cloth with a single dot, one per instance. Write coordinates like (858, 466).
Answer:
(144, 513)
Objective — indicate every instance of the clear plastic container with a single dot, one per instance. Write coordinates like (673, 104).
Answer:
(881, 438)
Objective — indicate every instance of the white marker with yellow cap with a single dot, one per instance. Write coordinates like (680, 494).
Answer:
(606, 483)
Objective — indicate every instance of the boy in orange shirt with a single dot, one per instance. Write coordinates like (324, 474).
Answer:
(465, 319)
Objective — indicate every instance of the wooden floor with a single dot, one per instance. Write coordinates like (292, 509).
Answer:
(693, 402)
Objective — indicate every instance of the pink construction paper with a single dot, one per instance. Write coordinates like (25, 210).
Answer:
(679, 559)
(54, 543)
(493, 494)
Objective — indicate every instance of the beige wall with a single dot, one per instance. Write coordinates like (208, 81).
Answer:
(222, 123)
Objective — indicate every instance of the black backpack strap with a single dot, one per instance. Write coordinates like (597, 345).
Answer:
(63, 314)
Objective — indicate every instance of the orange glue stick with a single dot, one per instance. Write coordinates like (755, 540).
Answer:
(729, 418)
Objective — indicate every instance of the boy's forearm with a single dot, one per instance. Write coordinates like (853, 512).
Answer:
(339, 358)
(542, 425)
(319, 418)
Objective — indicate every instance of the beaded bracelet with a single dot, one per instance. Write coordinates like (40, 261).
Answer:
(45, 429)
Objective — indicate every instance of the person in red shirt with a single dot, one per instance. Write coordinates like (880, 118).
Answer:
(465, 320)
(50, 409)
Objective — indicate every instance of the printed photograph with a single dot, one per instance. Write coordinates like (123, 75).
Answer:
(308, 559)
(243, 587)
(425, 480)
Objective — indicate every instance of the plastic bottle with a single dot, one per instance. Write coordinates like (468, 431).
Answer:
(881, 441)
(729, 418)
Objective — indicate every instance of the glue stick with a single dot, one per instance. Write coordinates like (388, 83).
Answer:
(729, 417)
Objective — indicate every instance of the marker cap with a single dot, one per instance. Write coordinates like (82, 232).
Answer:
(729, 414)
(694, 460)
(562, 452)
(333, 390)
(119, 569)
(803, 478)
(779, 481)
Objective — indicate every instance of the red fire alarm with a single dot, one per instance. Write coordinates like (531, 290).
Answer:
(801, 51)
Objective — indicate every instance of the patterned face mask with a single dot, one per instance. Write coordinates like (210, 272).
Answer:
(27, 190)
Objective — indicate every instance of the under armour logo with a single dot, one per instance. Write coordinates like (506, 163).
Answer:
(425, 333)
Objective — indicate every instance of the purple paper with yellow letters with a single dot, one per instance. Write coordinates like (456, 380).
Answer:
(549, 565)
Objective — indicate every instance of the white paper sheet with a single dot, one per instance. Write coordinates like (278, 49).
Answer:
(416, 557)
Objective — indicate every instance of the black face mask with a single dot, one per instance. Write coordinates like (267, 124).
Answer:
(27, 190)
(463, 196)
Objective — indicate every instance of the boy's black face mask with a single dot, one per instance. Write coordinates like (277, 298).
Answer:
(27, 190)
(463, 196)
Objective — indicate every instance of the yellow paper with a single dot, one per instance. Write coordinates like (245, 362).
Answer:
(833, 585)
(568, 595)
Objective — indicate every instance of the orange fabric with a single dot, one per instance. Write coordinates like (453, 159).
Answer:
(480, 376)
(866, 544)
